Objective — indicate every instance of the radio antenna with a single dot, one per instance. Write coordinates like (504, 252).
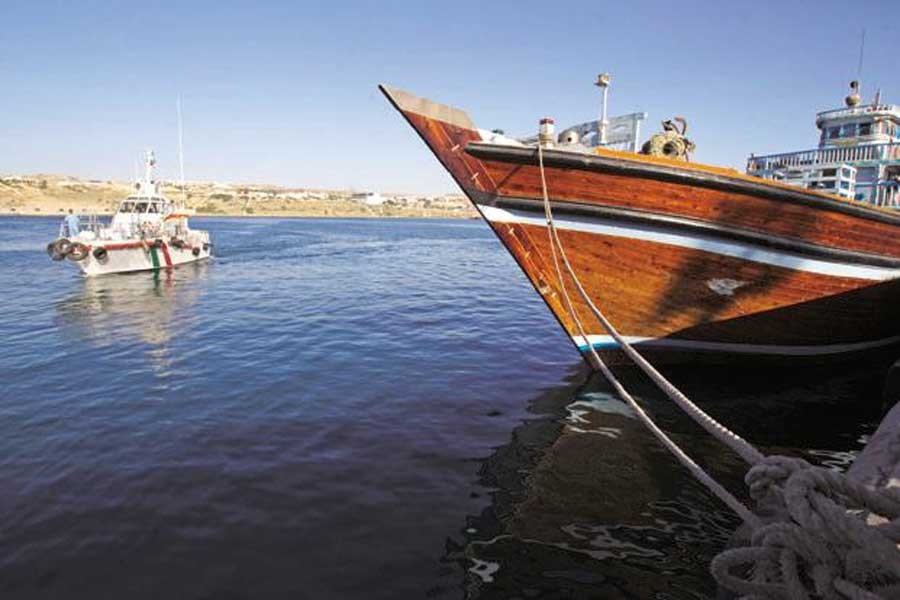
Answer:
(862, 47)
(181, 152)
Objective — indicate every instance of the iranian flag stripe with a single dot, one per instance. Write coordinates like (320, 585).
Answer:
(154, 258)
(166, 256)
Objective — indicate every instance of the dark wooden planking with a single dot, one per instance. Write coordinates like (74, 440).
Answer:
(768, 216)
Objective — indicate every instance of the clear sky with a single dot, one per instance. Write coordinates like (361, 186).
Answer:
(285, 92)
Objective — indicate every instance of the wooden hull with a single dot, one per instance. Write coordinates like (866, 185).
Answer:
(686, 261)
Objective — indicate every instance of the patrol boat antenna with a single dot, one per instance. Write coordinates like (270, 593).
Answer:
(181, 153)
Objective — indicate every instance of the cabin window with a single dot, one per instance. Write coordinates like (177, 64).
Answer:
(141, 207)
(865, 128)
(127, 207)
(833, 132)
(153, 208)
(829, 172)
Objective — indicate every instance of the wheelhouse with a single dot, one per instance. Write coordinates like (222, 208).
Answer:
(858, 157)
(144, 205)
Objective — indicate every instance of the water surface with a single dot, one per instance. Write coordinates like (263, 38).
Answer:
(354, 409)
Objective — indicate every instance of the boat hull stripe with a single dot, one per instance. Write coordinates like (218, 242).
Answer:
(527, 155)
(703, 243)
(565, 208)
(605, 342)
(166, 256)
(154, 257)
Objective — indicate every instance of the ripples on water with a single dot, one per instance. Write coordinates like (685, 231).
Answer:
(354, 409)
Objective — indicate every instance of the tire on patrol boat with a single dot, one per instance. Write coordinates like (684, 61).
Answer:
(52, 253)
(78, 251)
(62, 246)
(100, 253)
(195, 251)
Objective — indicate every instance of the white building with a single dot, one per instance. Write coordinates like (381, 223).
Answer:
(369, 198)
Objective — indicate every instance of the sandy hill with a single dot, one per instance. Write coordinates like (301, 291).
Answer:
(43, 194)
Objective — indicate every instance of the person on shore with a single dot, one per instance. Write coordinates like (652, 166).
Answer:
(73, 224)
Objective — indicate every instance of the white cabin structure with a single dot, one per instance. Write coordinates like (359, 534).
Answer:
(858, 157)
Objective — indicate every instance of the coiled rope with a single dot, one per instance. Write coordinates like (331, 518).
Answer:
(811, 545)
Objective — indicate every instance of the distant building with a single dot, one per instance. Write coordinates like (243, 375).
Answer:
(369, 198)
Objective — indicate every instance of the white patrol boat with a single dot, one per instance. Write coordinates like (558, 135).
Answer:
(147, 232)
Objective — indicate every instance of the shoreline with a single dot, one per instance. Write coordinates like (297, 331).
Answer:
(274, 215)
(44, 195)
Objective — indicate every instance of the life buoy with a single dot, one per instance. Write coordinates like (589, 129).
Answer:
(100, 253)
(78, 251)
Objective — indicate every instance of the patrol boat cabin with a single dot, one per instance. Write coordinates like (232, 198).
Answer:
(858, 157)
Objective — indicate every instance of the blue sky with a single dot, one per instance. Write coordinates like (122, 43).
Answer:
(285, 92)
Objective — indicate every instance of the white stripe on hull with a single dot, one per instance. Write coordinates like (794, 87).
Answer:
(136, 259)
(698, 242)
(607, 342)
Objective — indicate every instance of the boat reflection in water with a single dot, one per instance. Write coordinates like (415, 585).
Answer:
(150, 308)
(587, 504)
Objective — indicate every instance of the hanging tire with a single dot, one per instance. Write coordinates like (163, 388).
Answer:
(53, 253)
(63, 246)
(100, 253)
(78, 251)
(196, 251)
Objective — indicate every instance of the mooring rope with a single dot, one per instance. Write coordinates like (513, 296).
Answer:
(714, 486)
(811, 545)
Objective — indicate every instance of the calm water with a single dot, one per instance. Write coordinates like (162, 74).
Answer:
(354, 409)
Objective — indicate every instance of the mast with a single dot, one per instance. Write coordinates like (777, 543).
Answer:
(149, 168)
(603, 80)
(181, 153)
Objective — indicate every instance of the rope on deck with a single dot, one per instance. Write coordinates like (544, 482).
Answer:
(821, 534)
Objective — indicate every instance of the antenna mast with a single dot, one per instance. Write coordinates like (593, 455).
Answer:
(603, 80)
(181, 152)
(862, 47)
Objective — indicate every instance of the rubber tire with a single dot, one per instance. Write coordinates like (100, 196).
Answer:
(63, 246)
(196, 251)
(52, 253)
(100, 253)
(78, 252)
